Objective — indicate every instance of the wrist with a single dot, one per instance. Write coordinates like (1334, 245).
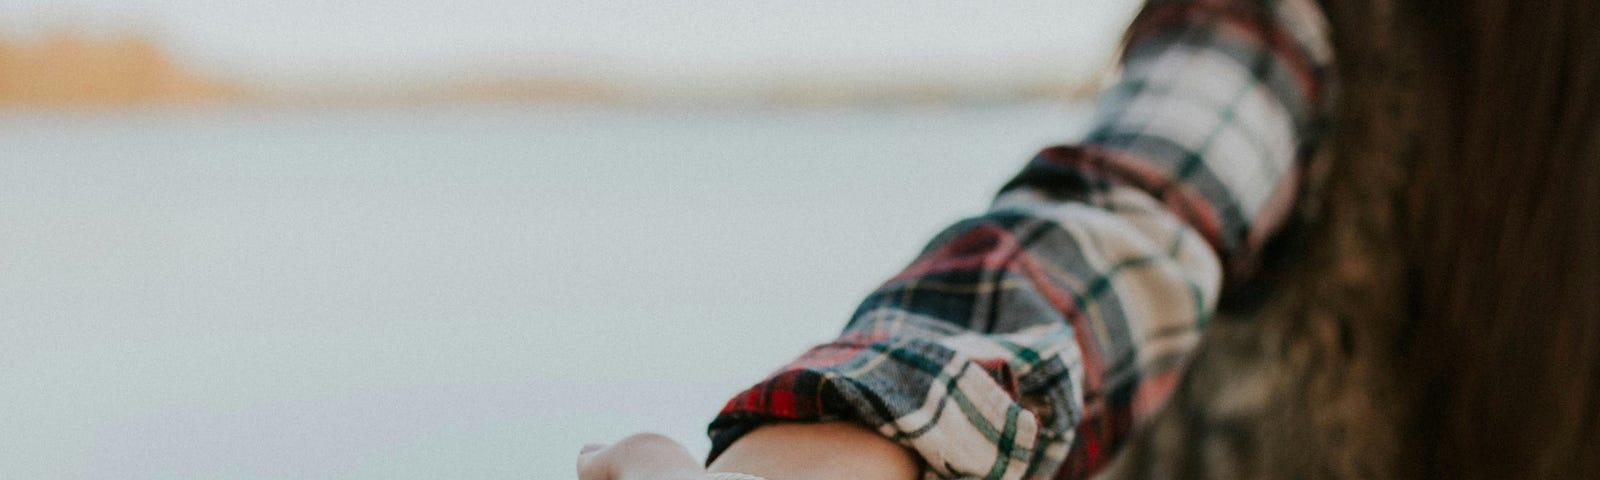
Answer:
(732, 476)
(818, 451)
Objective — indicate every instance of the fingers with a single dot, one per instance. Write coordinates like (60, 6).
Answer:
(641, 456)
(591, 468)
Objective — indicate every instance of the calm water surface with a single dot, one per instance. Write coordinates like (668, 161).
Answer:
(443, 292)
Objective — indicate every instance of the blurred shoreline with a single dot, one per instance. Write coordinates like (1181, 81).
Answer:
(74, 70)
(71, 70)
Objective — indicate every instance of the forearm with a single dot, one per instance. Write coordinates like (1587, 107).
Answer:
(818, 451)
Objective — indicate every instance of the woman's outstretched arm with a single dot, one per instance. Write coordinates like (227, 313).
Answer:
(1027, 341)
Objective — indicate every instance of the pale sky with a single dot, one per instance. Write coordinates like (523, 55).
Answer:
(306, 42)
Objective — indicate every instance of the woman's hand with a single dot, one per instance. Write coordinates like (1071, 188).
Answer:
(644, 456)
(788, 451)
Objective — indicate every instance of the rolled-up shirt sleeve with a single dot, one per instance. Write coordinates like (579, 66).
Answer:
(1024, 342)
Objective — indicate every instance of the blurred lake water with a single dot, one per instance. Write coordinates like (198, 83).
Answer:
(443, 292)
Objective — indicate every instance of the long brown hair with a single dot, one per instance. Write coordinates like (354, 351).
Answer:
(1466, 178)
(1501, 236)
(1441, 317)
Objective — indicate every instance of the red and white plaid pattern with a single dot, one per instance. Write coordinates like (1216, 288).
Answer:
(1024, 343)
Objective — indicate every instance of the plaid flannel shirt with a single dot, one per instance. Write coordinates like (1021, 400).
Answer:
(1026, 342)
